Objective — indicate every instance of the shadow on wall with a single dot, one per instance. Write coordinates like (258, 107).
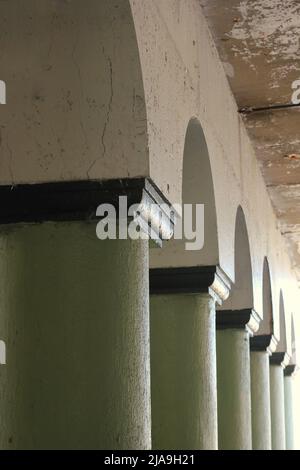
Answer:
(241, 296)
(197, 188)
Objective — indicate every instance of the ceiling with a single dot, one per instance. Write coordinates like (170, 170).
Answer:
(259, 44)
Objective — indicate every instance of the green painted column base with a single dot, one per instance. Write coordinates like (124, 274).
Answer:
(233, 378)
(75, 319)
(277, 407)
(260, 400)
(289, 412)
(183, 372)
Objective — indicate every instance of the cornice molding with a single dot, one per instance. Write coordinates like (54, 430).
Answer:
(290, 370)
(263, 343)
(190, 280)
(238, 319)
(280, 359)
(78, 200)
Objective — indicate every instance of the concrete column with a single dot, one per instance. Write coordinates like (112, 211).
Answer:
(260, 400)
(261, 347)
(233, 378)
(289, 412)
(277, 407)
(74, 316)
(234, 408)
(183, 372)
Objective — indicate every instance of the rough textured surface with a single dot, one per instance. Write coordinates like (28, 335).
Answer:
(75, 319)
(260, 401)
(234, 399)
(289, 412)
(258, 42)
(277, 407)
(183, 372)
(74, 92)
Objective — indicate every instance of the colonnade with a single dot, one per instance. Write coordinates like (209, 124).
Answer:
(89, 365)
(101, 346)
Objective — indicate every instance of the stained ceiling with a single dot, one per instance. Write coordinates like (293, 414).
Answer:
(259, 45)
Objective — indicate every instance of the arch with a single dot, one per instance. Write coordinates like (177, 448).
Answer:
(266, 326)
(197, 188)
(282, 343)
(242, 290)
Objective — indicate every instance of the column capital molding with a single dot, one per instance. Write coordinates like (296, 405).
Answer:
(280, 359)
(238, 319)
(290, 370)
(190, 280)
(78, 200)
(266, 343)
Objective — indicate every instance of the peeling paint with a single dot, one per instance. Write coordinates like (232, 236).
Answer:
(270, 24)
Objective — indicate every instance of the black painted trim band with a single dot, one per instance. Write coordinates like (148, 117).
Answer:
(78, 200)
(280, 359)
(190, 280)
(237, 319)
(290, 370)
(263, 343)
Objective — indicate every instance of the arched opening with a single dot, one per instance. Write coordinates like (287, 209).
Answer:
(197, 188)
(241, 296)
(266, 325)
(263, 339)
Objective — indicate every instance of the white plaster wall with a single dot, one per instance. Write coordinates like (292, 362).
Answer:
(75, 102)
